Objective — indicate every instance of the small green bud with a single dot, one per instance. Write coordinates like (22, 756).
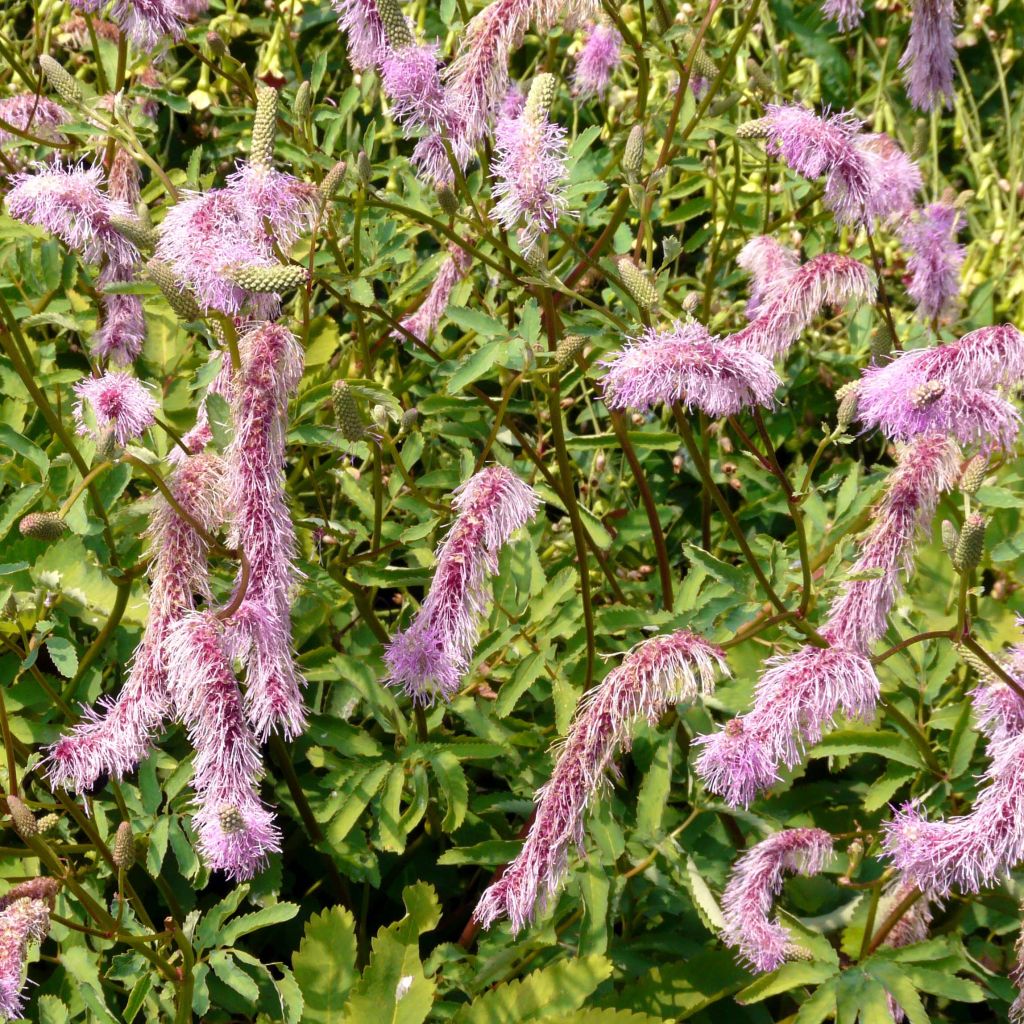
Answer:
(691, 300)
(758, 77)
(178, 297)
(66, 87)
(48, 822)
(971, 545)
(380, 416)
(973, 474)
(447, 200)
(331, 181)
(346, 412)
(638, 284)
(537, 258)
(231, 820)
(410, 418)
(269, 279)
(568, 348)
(124, 847)
(984, 673)
(722, 104)
(48, 526)
(881, 343)
(846, 396)
(25, 823)
(950, 537)
(264, 126)
(633, 154)
(364, 167)
(756, 129)
(396, 28)
(920, 144)
(301, 106)
(107, 448)
(541, 96)
(702, 64)
(140, 234)
(215, 44)
(10, 609)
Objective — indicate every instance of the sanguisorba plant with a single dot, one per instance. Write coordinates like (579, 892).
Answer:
(543, 471)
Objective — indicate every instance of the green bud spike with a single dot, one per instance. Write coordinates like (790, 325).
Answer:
(633, 154)
(971, 545)
(448, 201)
(540, 98)
(140, 234)
(215, 44)
(331, 181)
(264, 126)
(346, 412)
(107, 448)
(396, 28)
(757, 129)
(537, 258)
(721, 104)
(758, 77)
(974, 474)
(25, 823)
(364, 167)
(846, 396)
(66, 87)
(48, 822)
(410, 418)
(985, 674)
(921, 132)
(638, 284)
(10, 609)
(48, 526)
(702, 64)
(178, 298)
(568, 348)
(231, 820)
(124, 847)
(881, 344)
(950, 537)
(301, 106)
(269, 279)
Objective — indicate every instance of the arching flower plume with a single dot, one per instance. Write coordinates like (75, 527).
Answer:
(935, 259)
(114, 738)
(826, 280)
(755, 883)
(260, 630)
(655, 675)
(423, 322)
(430, 657)
(927, 62)
(597, 60)
(118, 402)
(144, 22)
(894, 179)
(688, 365)
(364, 32)
(771, 266)
(22, 921)
(33, 114)
(847, 14)
(236, 831)
(954, 389)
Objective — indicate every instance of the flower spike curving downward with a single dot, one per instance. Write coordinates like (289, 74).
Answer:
(653, 676)
(33, 114)
(935, 259)
(361, 22)
(928, 60)
(22, 921)
(753, 886)
(424, 321)
(689, 366)
(119, 402)
(771, 266)
(596, 61)
(430, 657)
(847, 14)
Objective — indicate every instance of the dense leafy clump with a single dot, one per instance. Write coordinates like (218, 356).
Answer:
(509, 511)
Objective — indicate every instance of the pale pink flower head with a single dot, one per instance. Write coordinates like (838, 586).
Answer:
(514, 102)
(122, 329)
(597, 60)
(44, 889)
(847, 14)
(235, 829)
(66, 200)
(147, 22)
(266, 196)
(927, 62)
(689, 366)
(411, 78)
(430, 657)
(367, 41)
(33, 114)
(655, 675)
(894, 179)
(23, 921)
(737, 763)
(118, 402)
(424, 321)
(826, 280)
(771, 265)
(935, 259)
(755, 883)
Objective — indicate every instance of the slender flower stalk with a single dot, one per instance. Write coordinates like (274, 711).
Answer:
(826, 280)
(114, 738)
(430, 657)
(597, 60)
(771, 266)
(424, 321)
(688, 365)
(655, 675)
(260, 630)
(927, 62)
(22, 921)
(236, 831)
(117, 402)
(754, 885)
(935, 260)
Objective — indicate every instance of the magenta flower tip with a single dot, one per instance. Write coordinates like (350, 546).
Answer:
(118, 402)
(596, 61)
(847, 14)
(367, 41)
(935, 260)
(771, 265)
(928, 60)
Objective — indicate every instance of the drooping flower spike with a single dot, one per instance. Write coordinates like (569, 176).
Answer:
(114, 738)
(34, 114)
(597, 60)
(847, 14)
(423, 322)
(894, 179)
(364, 32)
(771, 266)
(935, 259)
(687, 365)
(118, 402)
(260, 630)
(655, 675)
(826, 280)
(927, 62)
(755, 883)
(430, 657)
(236, 831)
(22, 921)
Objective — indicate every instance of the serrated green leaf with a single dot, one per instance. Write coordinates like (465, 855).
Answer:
(227, 969)
(63, 655)
(454, 788)
(324, 965)
(262, 918)
(784, 978)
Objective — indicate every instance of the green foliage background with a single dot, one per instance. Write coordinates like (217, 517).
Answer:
(393, 827)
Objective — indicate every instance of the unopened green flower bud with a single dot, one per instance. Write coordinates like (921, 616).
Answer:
(971, 545)
(25, 823)
(396, 28)
(973, 474)
(124, 847)
(448, 201)
(107, 446)
(264, 126)
(854, 855)
(363, 167)
(48, 822)
(143, 236)
(633, 154)
(331, 181)
(10, 609)
(231, 820)
(638, 284)
(950, 536)
(66, 87)
(48, 526)
(846, 396)
(380, 416)
(881, 343)
(691, 300)
(758, 77)
(302, 104)
(537, 259)
(410, 418)
(541, 96)
(921, 133)
(178, 297)
(702, 64)
(568, 348)
(756, 129)
(346, 412)
(215, 44)
(984, 672)
(721, 104)
(269, 279)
